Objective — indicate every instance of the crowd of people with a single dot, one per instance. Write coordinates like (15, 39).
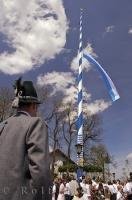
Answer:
(68, 188)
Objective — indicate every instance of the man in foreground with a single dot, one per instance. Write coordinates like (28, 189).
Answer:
(24, 150)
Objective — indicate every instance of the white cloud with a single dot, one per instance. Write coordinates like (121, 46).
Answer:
(129, 156)
(109, 29)
(36, 30)
(130, 31)
(97, 106)
(85, 65)
(60, 80)
(65, 83)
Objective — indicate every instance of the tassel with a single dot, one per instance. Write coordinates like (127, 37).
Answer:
(15, 102)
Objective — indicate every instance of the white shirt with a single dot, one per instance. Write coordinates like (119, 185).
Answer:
(86, 190)
(77, 198)
(53, 192)
(67, 189)
(61, 192)
(83, 186)
(128, 188)
(73, 187)
(112, 189)
(115, 186)
(94, 184)
(119, 196)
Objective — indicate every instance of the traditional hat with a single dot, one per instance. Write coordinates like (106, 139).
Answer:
(25, 93)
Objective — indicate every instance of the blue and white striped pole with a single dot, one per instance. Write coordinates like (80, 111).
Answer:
(109, 83)
(80, 95)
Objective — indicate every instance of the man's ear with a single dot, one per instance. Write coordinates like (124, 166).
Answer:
(34, 106)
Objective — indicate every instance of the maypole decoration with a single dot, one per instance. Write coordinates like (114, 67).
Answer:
(80, 98)
(108, 82)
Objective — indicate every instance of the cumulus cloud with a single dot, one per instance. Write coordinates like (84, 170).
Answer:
(97, 106)
(36, 31)
(60, 80)
(65, 83)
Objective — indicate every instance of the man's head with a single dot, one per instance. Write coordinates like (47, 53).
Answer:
(31, 108)
(26, 98)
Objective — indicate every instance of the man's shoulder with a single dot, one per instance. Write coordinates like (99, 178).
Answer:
(23, 119)
(38, 120)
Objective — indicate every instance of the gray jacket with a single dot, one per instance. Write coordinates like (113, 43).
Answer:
(24, 159)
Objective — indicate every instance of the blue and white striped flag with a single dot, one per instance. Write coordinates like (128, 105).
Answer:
(109, 83)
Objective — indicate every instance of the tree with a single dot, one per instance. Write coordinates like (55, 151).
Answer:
(91, 132)
(62, 121)
(54, 120)
(6, 96)
(92, 168)
(69, 167)
(69, 127)
(99, 156)
(91, 129)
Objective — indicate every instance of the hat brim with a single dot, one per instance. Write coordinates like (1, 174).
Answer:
(36, 101)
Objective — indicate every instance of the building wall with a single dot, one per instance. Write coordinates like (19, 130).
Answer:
(59, 160)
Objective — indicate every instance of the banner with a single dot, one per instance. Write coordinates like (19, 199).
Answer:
(108, 82)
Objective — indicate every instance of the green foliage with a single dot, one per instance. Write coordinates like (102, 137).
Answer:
(73, 168)
(92, 168)
(68, 168)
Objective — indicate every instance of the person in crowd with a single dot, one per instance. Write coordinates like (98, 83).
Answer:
(55, 189)
(73, 186)
(120, 195)
(112, 190)
(79, 194)
(94, 182)
(83, 184)
(118, 183)
(100, 192)
(87, 188)
(67, 192)
(107, 193)
(128, 188)
(61, 195)
(115, 186)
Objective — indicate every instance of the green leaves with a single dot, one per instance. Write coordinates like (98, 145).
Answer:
(68, 168)
(92, 168)
(73, 168)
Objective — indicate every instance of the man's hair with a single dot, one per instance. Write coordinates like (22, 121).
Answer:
(24, 104)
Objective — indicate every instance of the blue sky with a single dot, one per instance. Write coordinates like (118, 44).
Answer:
(41, 43)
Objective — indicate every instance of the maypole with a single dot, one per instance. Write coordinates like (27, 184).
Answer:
(80, 98)
(108, 82)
